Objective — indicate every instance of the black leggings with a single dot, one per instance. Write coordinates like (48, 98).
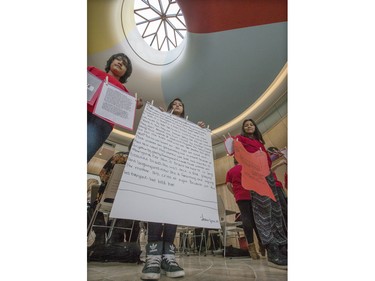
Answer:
(246, 210)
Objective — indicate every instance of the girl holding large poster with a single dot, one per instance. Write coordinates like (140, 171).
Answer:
(160, 251)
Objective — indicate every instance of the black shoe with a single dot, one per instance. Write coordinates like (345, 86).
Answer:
(169, 265)
(275, 257)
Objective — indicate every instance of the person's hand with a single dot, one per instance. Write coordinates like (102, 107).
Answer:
(162, 109)
(201, 124)
(139, 103)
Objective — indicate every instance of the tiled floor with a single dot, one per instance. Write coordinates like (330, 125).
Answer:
(202, 268)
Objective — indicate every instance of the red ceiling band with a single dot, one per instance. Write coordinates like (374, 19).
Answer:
(219, 15)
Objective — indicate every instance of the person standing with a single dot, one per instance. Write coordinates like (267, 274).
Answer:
(283, 200)
(160, 250)
(267, 213)
(243, 200)
(118, 69)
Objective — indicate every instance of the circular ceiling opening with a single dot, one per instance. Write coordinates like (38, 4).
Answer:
(160, 23)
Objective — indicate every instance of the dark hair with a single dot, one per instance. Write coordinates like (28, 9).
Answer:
(127, 62)
(170, 106)
(257, 134)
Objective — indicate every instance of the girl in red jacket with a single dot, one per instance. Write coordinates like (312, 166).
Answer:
(118, 69)
(267, 213)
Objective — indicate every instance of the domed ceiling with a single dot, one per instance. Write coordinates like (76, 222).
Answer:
(231, 65)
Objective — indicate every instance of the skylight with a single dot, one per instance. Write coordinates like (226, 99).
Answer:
(160, 23)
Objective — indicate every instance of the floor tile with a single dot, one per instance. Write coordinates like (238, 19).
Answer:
(202, 268)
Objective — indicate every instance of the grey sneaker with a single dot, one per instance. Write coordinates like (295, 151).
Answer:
(151, 270)
(169, 266)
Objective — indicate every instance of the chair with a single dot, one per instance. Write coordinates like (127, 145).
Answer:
(106, 202)
(189, 240)
(228, 229)
(94, 193)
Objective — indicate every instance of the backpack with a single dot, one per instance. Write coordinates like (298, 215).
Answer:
(129, 252)
(115, 250)
(231, 251)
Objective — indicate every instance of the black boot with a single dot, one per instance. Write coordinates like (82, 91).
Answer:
(276, 258)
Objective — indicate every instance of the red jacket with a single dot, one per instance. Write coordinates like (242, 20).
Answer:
(278, 183)
(234, 177)
(102, 75)
(252, 145)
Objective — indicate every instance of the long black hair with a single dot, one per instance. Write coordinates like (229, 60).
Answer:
(257, 134)
(170, 106)
(126, 61)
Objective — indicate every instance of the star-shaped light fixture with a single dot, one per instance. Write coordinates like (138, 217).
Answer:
(160, 22)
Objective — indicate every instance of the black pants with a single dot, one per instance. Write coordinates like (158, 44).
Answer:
(161, 232)
(247, 217)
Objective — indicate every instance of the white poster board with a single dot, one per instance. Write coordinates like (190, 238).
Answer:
(169, 175)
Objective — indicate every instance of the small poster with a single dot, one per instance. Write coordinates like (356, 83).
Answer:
(229, 145)
(116, 105)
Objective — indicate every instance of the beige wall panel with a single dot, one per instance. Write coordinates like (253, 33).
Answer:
(103, 25)
(95, 165)
(228, 199)
(229, 204)
(221, 166)
(278, 135)
(268, 141)
(285, 121)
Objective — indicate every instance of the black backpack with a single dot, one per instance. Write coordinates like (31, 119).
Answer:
(231, 251)
(116, 252)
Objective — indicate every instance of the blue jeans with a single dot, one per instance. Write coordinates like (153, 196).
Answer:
(98, 131)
